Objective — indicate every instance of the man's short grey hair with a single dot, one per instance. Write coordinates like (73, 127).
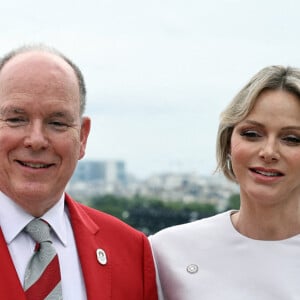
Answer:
(44, 48)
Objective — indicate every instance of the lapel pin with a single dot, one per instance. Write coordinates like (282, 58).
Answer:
(101, 257)
(192, 269)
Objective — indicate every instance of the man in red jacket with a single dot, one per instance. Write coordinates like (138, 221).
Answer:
(43, 133)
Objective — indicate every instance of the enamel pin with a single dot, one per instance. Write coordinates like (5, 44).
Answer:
(101, 257)
(192, 269)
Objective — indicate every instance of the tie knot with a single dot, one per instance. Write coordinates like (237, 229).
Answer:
(39, 230)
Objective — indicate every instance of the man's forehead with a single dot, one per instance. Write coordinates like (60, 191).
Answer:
(37, 71)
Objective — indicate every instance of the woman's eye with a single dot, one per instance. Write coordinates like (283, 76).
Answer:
(292, 139)
(250, 134)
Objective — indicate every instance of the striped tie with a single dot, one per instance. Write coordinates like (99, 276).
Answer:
(42, 275)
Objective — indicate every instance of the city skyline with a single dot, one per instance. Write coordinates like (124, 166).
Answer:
(98, 178)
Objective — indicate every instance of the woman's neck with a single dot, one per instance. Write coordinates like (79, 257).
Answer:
(267, 223)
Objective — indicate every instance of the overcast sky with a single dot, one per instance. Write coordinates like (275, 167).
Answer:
(158, 73)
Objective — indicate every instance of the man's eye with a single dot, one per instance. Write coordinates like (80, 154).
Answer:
(15, 121)
(59, 125)
(56, 123)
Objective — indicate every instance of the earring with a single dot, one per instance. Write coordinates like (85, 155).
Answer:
(228, 162)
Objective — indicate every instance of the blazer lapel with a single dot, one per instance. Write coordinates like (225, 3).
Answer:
(97, 276)
(10, 286)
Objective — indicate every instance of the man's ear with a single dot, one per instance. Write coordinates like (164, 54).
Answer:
(84, 133)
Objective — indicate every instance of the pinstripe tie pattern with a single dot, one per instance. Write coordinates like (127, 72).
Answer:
(42, 275)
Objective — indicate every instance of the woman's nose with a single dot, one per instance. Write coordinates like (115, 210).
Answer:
(269, 151)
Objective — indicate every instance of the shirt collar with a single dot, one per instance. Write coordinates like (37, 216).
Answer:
(13, 219)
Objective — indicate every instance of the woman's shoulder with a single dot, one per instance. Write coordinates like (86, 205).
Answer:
(205, 226)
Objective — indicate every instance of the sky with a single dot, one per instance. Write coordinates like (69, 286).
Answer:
(158, 73)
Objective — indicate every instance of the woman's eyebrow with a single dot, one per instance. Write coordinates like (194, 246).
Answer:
(290, 127)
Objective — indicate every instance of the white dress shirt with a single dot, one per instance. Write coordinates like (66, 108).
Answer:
(21, 246)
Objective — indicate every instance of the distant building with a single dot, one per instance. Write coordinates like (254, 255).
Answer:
(109, 171)
(189, 187)
(98, 177)
(101, 177)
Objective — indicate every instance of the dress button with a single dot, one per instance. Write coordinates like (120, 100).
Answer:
(192, 268)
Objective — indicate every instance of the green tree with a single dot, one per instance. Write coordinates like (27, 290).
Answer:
(151, 215)
(234, 201)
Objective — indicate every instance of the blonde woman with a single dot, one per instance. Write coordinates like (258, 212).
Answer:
(252, 253)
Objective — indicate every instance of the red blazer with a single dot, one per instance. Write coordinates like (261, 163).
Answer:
(129, 273)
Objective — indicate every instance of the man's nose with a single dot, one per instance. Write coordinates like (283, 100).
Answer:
(36, 137)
